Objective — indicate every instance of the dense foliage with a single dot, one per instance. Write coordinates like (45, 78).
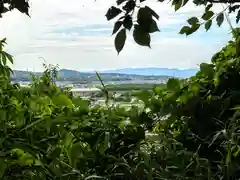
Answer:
(186, 130)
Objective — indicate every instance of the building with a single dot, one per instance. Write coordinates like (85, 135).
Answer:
(85, 92)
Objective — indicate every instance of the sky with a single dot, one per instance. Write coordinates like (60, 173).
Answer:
(75, 34)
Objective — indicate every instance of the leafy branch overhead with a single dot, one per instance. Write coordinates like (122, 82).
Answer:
(146, 20)
(9, 5)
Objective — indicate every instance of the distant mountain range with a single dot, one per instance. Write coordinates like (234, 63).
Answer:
(185, 73)
(128, 74)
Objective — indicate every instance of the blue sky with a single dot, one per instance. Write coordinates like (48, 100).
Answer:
(76, 35)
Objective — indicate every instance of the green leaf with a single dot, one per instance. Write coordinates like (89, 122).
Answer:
(142, 0)
(193, 20)
(120, 40)
(220, 19)
(185, 30)
(127, 22)
(207, 69)
(141, 37)
(207, 15)
(4, 59)
(74, 153)
(9, 56)
(112, 13)
(178, 4)
(62, 100)
(208, 24)
(173, 84)
(117, 26)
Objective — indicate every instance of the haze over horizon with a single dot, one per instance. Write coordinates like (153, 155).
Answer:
(77, 36)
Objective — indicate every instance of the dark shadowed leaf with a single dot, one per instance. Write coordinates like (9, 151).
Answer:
(141, 37)
(112, 13)
(120, 40)
(178, 4)
(145, 20)
(238, 16)
(117, 26)
(152, 12)
(185, 2)
(208, 7)
(144, 15)
(207, 15)
(193, 20)
(127, 22)
(153, 27)
(129, 6)
(185, 30)
(142, 0)
(208, 24)
(220, 19)
(120, 1)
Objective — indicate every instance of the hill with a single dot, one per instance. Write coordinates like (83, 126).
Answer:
(185, 73)
(90, 77)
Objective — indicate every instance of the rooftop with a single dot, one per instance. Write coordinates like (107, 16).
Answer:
(85, 90)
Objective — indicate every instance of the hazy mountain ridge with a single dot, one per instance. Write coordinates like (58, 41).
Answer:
(127, 74)
(183, 73)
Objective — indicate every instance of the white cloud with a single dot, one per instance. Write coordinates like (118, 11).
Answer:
(31, 38)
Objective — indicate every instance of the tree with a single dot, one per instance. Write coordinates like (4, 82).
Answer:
(8, 5)
(145, 24)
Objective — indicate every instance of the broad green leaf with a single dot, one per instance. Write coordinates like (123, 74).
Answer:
(120, 40)
(112, 13)
(117, 26)
(173, 84)
(207, 15)
(141, 37)
(220, 19)
(62, 100)
(208, 24)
